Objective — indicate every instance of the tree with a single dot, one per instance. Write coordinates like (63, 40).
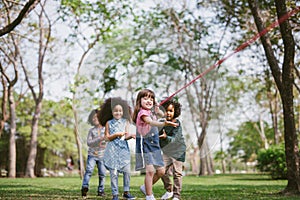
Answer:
(237, 16)
(8, 84)
(10, 48)
(43, 45)
(241, 140)
(55, 135)
(166, 46)
(284, 79)
(99, 18)
(10, 25)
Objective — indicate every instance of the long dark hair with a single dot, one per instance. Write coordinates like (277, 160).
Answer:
(141, 94)
(106, 108)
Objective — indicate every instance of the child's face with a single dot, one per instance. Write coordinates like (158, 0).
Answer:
(170, 112)
(95, 120)
(147, 102)
(117, 112)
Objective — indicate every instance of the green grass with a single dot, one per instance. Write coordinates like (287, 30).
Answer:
(238, 186)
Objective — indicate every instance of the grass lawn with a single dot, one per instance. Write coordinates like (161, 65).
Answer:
(237, 186)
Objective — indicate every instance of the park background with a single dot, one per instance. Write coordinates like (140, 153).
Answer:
(66, 57)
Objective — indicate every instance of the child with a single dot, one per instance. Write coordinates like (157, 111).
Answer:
(96, 144)
(173, 146)
(115, 114)
(148, 152)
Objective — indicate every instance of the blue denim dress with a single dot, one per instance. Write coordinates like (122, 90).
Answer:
(117, 153)
(147, 150)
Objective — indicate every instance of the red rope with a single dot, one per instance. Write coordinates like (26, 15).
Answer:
(241, 47)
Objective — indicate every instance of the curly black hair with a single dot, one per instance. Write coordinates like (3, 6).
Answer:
(106, 108)
(176, 104)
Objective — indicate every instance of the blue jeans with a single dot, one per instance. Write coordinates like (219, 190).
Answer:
(114, 174)
(91, 162)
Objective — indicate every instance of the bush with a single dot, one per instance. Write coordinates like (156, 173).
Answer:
(273, 161)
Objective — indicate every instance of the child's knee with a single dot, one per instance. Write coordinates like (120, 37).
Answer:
(160, 172)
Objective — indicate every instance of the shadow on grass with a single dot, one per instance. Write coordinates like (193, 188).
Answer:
(222, 191)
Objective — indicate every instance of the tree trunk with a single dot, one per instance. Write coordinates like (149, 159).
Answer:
(284, 80)
(78, 141)
(12, 137)
(33, 142)
(210, 163)
(4, 114)
(44, 39)
(223, 165)
(206, 162)
(194, 158)
(261, 131)
(273, 104)
(8, 95)
(287, 97)
(203, 164)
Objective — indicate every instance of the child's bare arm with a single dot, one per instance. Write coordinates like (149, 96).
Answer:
(112, 136)
(151, 122)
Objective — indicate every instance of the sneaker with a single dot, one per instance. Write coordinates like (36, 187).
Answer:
(143, 189)
(175, 198)
(167, 195)
(151, 197)
(101, 194)
(84, 191)
(115, 197)
(127, 195)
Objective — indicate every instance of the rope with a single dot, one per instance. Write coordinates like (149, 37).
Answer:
(240, 48)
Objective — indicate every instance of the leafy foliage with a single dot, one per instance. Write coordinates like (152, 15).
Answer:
(110, 82)
(272, 160)
(55, 137)
(246, 142)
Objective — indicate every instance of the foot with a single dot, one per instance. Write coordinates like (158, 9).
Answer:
(115, 197)
(143, 189)
(175, 198)
(127, 195)
(167, 195)
(84, 191)
(150, 197)
(101, 194)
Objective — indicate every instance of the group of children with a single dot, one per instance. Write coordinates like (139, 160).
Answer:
(160, 145)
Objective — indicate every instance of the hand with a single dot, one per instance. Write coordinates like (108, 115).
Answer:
(129, 136)
(163, 135)
(133, 135)
(169, 123)
(120, 134)
(156, 109)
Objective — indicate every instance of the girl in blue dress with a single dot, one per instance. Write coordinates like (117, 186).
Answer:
(148, 152)
(115, 114)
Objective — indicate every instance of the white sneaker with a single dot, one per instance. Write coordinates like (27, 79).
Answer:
(143, 189)
(175, 198)
(151, 197)
(167, 195)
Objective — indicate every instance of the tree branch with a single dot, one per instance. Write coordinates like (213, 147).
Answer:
(26, 9)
